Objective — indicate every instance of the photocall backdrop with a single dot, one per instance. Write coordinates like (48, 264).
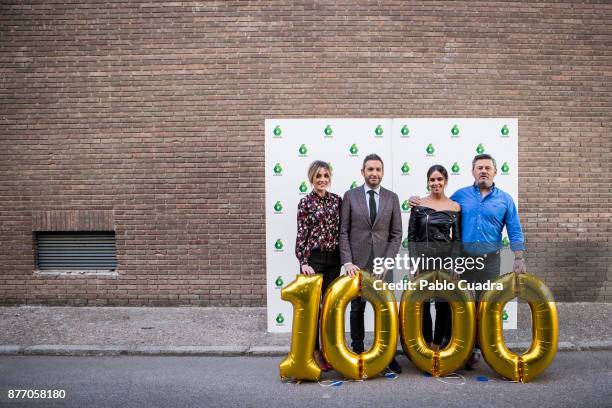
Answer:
(408, 148)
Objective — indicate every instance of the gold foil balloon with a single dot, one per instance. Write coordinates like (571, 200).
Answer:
(304, 293)
(545, 329)
(378, 357)
(463, 309)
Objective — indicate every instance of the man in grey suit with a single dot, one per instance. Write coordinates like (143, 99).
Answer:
(370, 227)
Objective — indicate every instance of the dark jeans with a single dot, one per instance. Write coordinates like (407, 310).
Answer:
(492, 264)
(358, 313)
(326, 263)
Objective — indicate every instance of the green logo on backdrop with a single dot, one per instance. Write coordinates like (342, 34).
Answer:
(405, 205)
(405, 279)
(505, 131)
(430, 150)
(505, 168)
(277, 131)
(278, 207)
(353, 149)
(280, 319)
(455, 168)
(405, 168)
(353, 185)
(278, 244)
(480, 148)
(328, 131)
(303, 150)
(404, 131)
(378, 130)
(405, 242)
(504, 315)
(279, 282)
(455, 130)
(303, 187)
(278, 169)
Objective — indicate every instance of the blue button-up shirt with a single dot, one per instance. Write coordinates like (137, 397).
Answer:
(483, 219)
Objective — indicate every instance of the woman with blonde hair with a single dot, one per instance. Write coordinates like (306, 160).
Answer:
(317, 242)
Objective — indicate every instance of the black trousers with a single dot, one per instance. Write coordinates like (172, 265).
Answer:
(358, 313)
(442, 327)
(326, 263)
(492, 264)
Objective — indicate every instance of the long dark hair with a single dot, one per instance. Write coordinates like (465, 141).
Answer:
(440, 168)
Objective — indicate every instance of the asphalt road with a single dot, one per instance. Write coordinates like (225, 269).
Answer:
(575, 379)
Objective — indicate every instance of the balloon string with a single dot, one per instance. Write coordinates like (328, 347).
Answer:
(450, 376)
(336, 383)
(390, 375)
(331, 383)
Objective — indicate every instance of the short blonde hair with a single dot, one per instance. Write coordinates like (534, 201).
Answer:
(314, 168)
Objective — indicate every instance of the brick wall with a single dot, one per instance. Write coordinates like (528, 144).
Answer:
(155, 111)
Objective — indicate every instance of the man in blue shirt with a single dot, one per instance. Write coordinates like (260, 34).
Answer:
(485, 210)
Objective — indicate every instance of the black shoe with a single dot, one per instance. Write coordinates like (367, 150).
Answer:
(445, 342)
(394, 366)
(473, 360)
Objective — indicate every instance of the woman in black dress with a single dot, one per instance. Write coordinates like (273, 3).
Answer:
(434, 226)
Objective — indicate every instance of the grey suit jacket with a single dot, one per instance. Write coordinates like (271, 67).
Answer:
(358, 235)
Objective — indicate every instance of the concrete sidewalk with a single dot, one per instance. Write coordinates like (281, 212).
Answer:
(224, 331)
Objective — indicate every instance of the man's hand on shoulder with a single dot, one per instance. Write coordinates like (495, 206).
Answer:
(414, 201)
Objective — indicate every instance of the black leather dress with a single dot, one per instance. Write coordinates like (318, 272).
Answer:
(434, 233)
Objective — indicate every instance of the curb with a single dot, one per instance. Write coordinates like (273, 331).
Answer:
(597, 345)
(10, 350)
(221, 351)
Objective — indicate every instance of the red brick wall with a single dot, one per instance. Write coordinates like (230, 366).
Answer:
(155, 111)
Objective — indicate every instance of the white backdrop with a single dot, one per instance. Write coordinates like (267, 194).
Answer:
(408, 148)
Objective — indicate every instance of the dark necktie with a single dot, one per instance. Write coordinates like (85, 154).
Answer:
(372, 206)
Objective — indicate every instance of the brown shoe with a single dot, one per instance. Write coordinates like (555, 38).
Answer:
(318, 357)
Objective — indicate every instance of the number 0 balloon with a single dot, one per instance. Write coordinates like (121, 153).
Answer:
(453, 356)
(545, 330)
(372, 362)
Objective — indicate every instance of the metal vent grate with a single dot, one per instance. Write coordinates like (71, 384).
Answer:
(76, 250)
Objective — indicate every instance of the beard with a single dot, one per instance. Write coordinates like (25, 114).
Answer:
(373, 183)
(485, 183)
